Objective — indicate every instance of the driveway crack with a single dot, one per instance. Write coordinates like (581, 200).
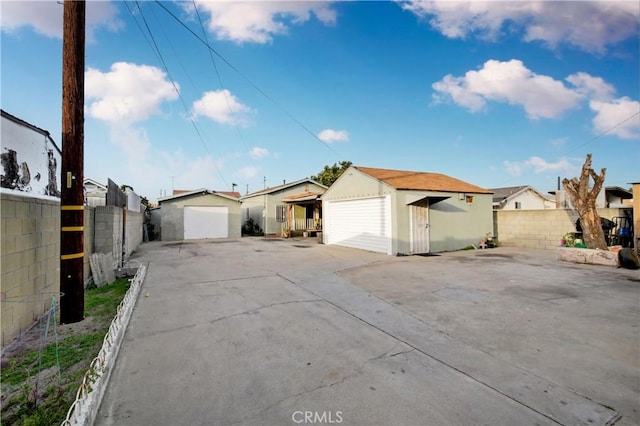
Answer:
(354, 373)
(252, 311)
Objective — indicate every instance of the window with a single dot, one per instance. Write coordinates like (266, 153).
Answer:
(469, 199)
(518, 205)
(281, 213)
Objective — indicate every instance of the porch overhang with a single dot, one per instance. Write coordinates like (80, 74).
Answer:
(307, 197)
(428, 200)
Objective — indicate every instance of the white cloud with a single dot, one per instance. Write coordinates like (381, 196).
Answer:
(128, 93)
(259, 21)
(331, 136)
(247, 172)
(589, 25)
(511, 82)
(614, 113)
(258, 152)
(541, 96)
(45, 17)
(539, 165)
(222, 107)
(589, 86)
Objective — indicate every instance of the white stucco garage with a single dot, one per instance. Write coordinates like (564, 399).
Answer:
(404, 212)
(200, 214)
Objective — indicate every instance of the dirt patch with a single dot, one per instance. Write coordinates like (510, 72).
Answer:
(33, 338)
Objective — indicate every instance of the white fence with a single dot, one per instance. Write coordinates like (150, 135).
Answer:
(307, 224)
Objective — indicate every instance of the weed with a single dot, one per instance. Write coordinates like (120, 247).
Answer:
(36, 367)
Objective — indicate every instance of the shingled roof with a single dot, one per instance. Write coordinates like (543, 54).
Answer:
(501, 194)
(421, 181)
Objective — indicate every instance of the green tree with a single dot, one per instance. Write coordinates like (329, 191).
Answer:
(330, 174)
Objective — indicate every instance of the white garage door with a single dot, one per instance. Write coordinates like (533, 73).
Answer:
(206, 222)
(364, 224)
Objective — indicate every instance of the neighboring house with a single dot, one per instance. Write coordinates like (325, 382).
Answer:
(403, 212)
(269, 209)
(523, 197)
(95, 193)
(31, 159)
(199, 214)
(304, 211)
(613, 197)
(609, 197)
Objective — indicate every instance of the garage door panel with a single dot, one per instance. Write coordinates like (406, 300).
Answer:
(363, 224)
(206, 222)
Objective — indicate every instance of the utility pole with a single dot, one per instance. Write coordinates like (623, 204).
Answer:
(264, 208)
(72, 198)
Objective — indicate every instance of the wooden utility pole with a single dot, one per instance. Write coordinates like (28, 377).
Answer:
(72, 200)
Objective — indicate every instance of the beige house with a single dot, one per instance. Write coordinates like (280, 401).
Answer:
(291, 205)
(524, 197)
(401, 212)
(200, 214)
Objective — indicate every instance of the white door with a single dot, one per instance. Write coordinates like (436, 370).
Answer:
(363, 224)
(206, 222)
(419, 229)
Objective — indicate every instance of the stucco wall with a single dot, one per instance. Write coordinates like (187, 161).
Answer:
(541, 229)
(172, 214)
(455, 224)
(253, 206)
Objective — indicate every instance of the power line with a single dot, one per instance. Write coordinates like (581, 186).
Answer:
(606, 131)
(610, 129)
(224, 91)
(254, 85)
(184, 105)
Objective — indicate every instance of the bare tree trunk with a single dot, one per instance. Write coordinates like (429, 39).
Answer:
(584, 200)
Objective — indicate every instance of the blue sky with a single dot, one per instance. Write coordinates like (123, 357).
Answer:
(494, 93)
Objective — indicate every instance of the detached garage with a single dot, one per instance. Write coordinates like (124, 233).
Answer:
(404, 212)
(200, 214)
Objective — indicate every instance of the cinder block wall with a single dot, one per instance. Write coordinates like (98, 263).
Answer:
(542, 229)
(89, 218)
(30, 254)
(108, 232)
(133, 233)
(29, 261)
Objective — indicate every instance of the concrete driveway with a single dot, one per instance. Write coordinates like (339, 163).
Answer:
(290, 332)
